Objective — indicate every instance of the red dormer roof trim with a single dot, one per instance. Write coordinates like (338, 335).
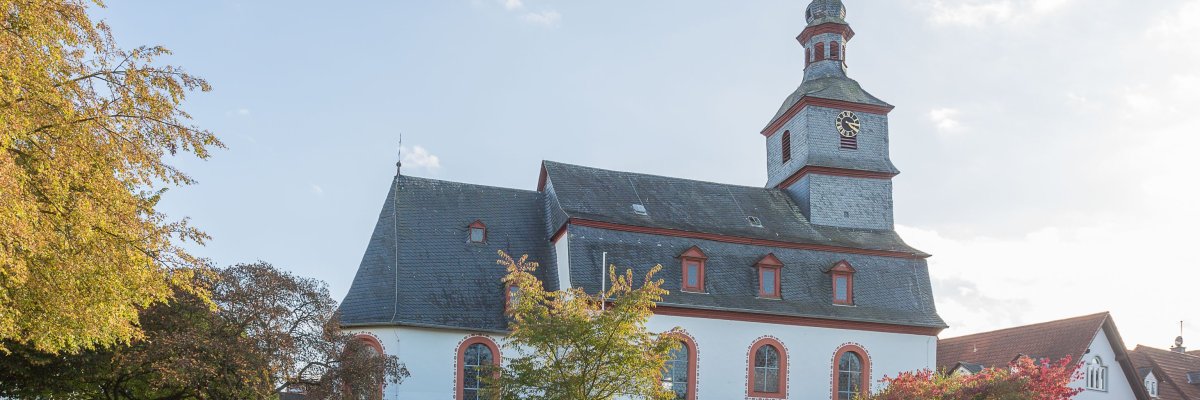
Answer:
(693, 253)
(769, 260)
(842, 267)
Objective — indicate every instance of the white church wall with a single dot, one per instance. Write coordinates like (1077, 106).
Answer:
(722, 355)
(1118, 384)
(430, 356)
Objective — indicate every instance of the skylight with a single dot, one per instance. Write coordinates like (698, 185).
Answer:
(640, 209)
(755, 222)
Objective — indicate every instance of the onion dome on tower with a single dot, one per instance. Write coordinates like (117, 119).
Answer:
(825, 11)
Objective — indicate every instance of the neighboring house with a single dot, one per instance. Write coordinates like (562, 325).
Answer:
(1169, 374)
(1092, 341)
(800, 289)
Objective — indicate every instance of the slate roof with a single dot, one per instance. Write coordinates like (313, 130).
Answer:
(696, 206)
(831, 88)
(439, 279)
(1052, 340)
(419, 269)
(886, 290)
(1174, 367)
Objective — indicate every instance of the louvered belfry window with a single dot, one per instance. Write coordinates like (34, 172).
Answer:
(786, 146)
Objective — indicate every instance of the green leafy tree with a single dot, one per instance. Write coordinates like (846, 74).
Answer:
(272, 332)
(572, 345)
(85, 132)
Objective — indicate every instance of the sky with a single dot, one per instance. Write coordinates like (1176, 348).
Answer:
(1048, 148)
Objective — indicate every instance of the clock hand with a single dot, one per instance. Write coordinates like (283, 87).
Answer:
(854, 125)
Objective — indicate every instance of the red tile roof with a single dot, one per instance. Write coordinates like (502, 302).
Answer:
(1171, 368)
(1053, 340)
(1166, 390)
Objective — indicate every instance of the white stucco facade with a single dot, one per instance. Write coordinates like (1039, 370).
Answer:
(722, 356)
(1117, 384)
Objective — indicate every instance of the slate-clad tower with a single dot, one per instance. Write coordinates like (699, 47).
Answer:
(828, 144)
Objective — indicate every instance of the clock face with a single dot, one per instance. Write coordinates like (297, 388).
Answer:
(848, 124)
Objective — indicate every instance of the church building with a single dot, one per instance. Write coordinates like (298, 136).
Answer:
(799, 289)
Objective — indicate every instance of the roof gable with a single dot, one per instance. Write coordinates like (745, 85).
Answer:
(1171, 369)
(424, 223)
(1054, 340)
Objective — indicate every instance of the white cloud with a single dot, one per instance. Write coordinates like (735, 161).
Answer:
(419, 157)
(512, 4)
(242, 112)
(977, 13)
(316, 189)
(545, 18)
(945, 119)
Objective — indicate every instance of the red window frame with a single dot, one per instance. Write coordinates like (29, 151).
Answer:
(843, 269)
(786, 146)
(770, 263)
(508, 295)
(462, 354)
(783, 367)
(820, 51)
(471, 230)
(692, 256)
(374, 343)
(686, 340)
(864, 378)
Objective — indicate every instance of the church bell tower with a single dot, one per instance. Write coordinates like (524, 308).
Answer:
(828, 144)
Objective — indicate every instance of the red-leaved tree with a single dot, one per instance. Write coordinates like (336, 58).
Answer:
(1024, 379)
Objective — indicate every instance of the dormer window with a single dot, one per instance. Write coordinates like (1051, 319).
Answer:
(693, 270)
(769, 277)
(477, 232)
(843, 283)
(511, 294)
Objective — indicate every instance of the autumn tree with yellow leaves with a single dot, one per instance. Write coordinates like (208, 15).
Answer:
(572, 345)
(86, 130)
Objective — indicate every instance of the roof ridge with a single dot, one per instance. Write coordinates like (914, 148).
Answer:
(1135, 348)
(663, 176)
(449, 182)
(1083, 317)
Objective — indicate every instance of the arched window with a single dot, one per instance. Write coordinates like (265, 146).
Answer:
(373, 345)
(476, 356)
(808, 56)
(835, 51)
(693, 270)
(768, 369)
(1096, 375)
(786, 145)
(820, 51)
(851, 373)
(679, 373)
